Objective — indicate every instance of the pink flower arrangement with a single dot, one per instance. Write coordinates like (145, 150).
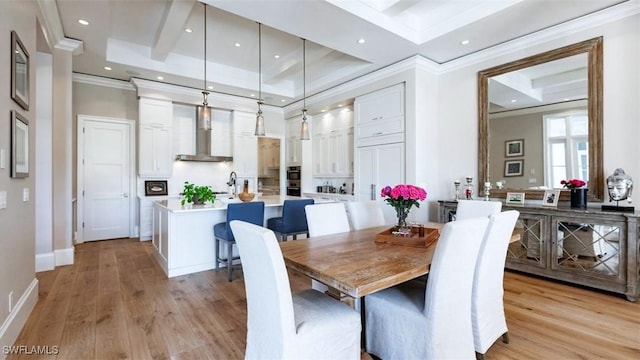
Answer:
(402, 197)
(573, 183)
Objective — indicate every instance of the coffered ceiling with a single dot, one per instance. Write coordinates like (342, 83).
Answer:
(345, 38)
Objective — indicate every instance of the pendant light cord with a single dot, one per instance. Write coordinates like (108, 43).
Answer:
(259, 62)
(304, 74)
(204, 85)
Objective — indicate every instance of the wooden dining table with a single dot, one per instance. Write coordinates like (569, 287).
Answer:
(354, 264)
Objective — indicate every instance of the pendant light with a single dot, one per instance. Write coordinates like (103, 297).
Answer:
(304, 127)
(204, 111)
(259, 118)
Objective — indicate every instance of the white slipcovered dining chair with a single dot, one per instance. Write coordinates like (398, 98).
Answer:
(410, 322)
(365, 214)
(474, 208)
(326, 219)
(487, 304)
(305, 325)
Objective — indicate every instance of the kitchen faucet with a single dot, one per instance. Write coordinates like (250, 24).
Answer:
(232, 182)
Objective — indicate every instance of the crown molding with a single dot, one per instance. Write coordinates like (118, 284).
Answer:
(102, 81)
(53, 31)
(593, 20)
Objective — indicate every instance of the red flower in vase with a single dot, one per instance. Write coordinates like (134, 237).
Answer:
(573, 183)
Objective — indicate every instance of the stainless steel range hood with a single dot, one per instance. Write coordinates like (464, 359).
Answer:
(203, 139)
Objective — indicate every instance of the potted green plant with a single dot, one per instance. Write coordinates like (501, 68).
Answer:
(196, 194)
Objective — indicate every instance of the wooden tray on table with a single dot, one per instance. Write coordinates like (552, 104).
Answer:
(430, 236)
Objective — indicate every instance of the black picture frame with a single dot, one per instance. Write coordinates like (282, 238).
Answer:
(513, 167)
(19, 146)
(155, 187)
(514, 148)
(19, 72)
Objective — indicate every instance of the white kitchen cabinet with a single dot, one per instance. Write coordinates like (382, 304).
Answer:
(293, 149)
(245, 155)
(378, 166)
(155, 112)
(380, 113)
(333, 144)
(245, 145)
(155, 157)
(154, 151)
(221, 139)
(145, 206)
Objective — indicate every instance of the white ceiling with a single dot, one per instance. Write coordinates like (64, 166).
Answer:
(146, 38)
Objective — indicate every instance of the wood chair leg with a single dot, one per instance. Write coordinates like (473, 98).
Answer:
(505, 338)
(479, 356)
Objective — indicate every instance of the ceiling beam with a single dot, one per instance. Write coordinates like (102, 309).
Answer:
(171, 28)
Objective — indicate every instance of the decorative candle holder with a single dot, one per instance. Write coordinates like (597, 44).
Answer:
(469, 190)
(487, 190)
(457, 185)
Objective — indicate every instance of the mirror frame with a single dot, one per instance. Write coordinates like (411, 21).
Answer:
(594, 110)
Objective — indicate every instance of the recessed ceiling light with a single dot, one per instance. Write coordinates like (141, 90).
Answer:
(282, 100)
(237, 44)
(567, 99)
(253, 95)
(188, 30)
(276, 56)
(160, 78)
(514, 100)
(339, 105)
(464, 42)
(361, 41)
(108, 68)
(83, 22)
(210, 87)
(323, 110)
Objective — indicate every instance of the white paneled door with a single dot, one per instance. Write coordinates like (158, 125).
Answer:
(106, 179)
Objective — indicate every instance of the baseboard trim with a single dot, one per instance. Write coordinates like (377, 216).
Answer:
(64, 256)
(45, 262)
(14, 323)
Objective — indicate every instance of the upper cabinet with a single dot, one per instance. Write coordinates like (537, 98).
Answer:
(221, 140)
(154, 138)
(155, 112)
(332, 144)
(245, 144)
(380, 113)
(293, 149)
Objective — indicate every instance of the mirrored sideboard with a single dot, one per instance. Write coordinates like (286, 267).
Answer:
(590, 247)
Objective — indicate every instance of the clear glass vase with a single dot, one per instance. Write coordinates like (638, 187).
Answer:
(402, 228)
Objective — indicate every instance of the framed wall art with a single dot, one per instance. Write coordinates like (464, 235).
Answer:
(550, 198)
(513, 167)
(514, 198)
(19, 72)
(155, 187)
(19, 146)
(514, 148)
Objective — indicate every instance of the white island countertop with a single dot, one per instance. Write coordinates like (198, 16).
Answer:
(173, 205)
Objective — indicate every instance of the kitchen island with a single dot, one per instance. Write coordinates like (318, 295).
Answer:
(183, 235)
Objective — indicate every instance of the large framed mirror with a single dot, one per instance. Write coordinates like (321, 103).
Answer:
(540, 121)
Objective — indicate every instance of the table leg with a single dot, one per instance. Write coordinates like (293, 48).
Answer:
(358, 304)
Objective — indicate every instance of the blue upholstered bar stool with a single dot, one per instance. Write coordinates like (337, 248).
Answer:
(293, 220)
(251, 212)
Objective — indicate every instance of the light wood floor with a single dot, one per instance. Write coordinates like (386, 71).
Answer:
(116, 303)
